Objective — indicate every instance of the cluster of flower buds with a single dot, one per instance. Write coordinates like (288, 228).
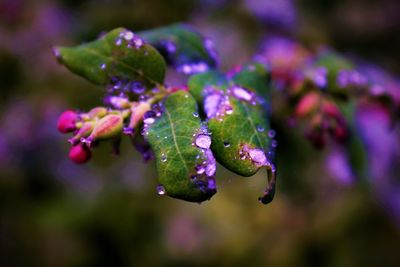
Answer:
(100, 124)
(317, 81)
(323, 118)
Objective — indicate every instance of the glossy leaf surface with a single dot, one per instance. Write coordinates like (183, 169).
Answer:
(185, 164)
(117, 55)
(183, 48)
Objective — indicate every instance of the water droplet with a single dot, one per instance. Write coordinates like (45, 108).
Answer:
(118, 41)
(211, 184)
(200, 169)
(163, 157)
(203, 141)
(228, 109)
(260, 128)
(149, 117)
(128, 35)
(128, 130)
(212, 103)
(271, 133)
(195, 114)
(211, 168)
(274, 143)
(258, 156)
(138, 42)
(193, 68)
(56, 53)
(241, 93)
(137, 88)
(160, 189)
(103, 66)
(227, 144)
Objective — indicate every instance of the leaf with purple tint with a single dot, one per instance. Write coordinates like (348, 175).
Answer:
(183, 48)
(332, 64)
(242, 140)
(181, 145)
(117, 55)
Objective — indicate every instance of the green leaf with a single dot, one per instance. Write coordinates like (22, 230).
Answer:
(333, 62)
(240, 129)
(183, 47)
(116, 55)
(185, 164)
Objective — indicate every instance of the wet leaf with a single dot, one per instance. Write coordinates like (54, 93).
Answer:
(242, 140)
(117, 55)
(185, 164)
(183, 48)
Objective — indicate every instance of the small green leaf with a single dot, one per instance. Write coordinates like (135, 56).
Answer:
(183, 47)
(185, 163)
(333, 62)
(118, 54)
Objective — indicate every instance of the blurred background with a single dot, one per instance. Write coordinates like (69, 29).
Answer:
(107, 213)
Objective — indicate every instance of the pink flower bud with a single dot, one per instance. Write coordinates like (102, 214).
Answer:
(80, 154)
(97, 112)
(66, 121)
(107, 127)
(307, 104)
(331, 109)
(84, 131)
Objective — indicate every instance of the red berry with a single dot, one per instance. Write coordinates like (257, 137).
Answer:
(80, 154)
(66, 121)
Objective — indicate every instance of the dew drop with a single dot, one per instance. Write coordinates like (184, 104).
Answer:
(149, 117)
(103, 66)
(128, 35)
(242, 93)
(200, 169)
(271, 133)
(160, 190)
(274, 143)
(203, 141)
(195, 114)
(228, 110)
(128, 131)
(163, 157)
(211, 184)
(258, 156)
(137, 88)
(260, 128)
(138, 42)
(227, 144)
(118, 41)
